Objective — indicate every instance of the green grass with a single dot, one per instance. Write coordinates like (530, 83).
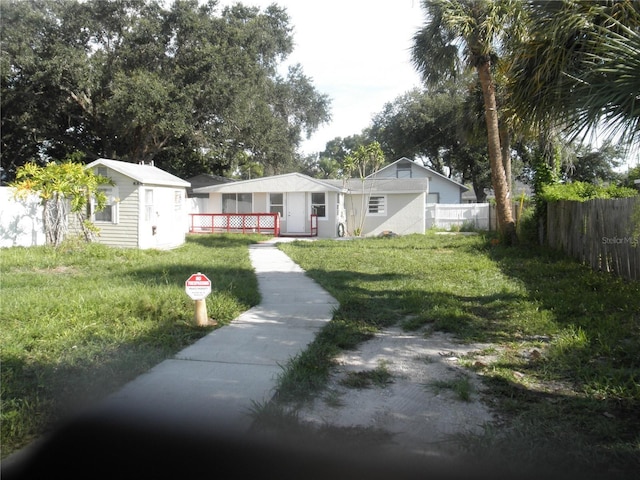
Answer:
(80, 320)
(460, 386)
(576, 402)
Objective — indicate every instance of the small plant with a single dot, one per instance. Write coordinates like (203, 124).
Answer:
(461, 386)
(380, 377)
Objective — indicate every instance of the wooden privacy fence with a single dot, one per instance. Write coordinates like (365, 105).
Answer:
(601, 233)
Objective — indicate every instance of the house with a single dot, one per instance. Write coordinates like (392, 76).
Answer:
(145, 205)
(441, 188)
(334, 207)
(199, 202)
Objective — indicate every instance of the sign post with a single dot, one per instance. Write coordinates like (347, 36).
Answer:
(198, 287)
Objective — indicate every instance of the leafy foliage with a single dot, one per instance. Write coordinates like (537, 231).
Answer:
(582, 191)
(137, 81)
(59, 183)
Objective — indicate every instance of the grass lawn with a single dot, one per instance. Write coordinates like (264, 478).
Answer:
(565, 367)
(77, 322)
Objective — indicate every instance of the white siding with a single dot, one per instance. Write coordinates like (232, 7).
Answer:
(405, 215)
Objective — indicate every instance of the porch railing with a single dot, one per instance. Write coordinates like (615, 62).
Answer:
(265, 223)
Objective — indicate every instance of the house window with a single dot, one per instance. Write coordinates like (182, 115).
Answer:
(276, 203)
(403, 170)
(110, 212)
(433, 198)
(319, 204)
(148, 205)
(237, 202)
(377, 205)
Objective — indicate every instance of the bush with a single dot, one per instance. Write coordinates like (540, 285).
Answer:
(582, 191)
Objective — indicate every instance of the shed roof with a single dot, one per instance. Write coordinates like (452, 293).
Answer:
(145, 174)
(288, 182)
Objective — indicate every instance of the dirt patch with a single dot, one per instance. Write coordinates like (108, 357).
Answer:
(429, 399)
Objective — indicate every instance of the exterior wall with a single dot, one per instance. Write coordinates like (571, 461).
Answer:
(448, 193)
(170, 210)
(124, 233)
(404, 215)
(391, 172)
(21, 223)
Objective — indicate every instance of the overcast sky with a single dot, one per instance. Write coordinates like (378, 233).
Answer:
(356, 52)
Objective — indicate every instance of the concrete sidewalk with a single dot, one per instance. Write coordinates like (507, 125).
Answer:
(215, 382)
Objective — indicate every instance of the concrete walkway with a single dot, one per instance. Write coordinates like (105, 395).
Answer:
(218, 380)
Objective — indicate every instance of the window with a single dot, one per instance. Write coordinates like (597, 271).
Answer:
(319, 204)
(148, 205)
(102, 171)
(237, 202)
(110, 212)
(177, 200)
(377, 205)
(276, 203)
(433, 198)
(403, 170)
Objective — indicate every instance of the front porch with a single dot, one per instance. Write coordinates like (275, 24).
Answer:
(262, 223)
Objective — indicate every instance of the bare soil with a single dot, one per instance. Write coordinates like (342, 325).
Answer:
(420, 411)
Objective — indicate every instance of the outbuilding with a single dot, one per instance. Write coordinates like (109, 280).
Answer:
(146, 206)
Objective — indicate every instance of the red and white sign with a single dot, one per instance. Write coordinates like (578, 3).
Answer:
(198, 286)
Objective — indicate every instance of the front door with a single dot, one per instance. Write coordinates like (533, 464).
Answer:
(296, 212)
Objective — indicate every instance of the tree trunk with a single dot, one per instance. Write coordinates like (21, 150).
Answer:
(505, 142)
(506, 225)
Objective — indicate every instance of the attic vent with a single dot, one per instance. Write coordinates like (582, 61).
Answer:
(142, 162)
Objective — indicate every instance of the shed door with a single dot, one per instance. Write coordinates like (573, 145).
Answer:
(296, 212)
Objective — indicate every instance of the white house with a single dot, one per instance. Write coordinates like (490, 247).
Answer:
(146, 206)
(389, 204)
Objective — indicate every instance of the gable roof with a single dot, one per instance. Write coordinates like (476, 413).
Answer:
(288, 182)
(144, 174)
(430, 170)
(383, 185)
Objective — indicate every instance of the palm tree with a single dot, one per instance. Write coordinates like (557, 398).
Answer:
(476, 29)
(579, 68)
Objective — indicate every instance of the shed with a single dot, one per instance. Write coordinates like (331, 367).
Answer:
(146, 206)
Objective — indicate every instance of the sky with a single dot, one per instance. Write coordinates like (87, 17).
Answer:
(357, 52)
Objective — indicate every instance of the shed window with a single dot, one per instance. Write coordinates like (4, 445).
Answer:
(148, 205)
(377, 205)
(276, 203)
(319, 204)
(237, 203)
(110, 212)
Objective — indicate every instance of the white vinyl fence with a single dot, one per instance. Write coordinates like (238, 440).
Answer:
(21, 222)
(475, 216)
